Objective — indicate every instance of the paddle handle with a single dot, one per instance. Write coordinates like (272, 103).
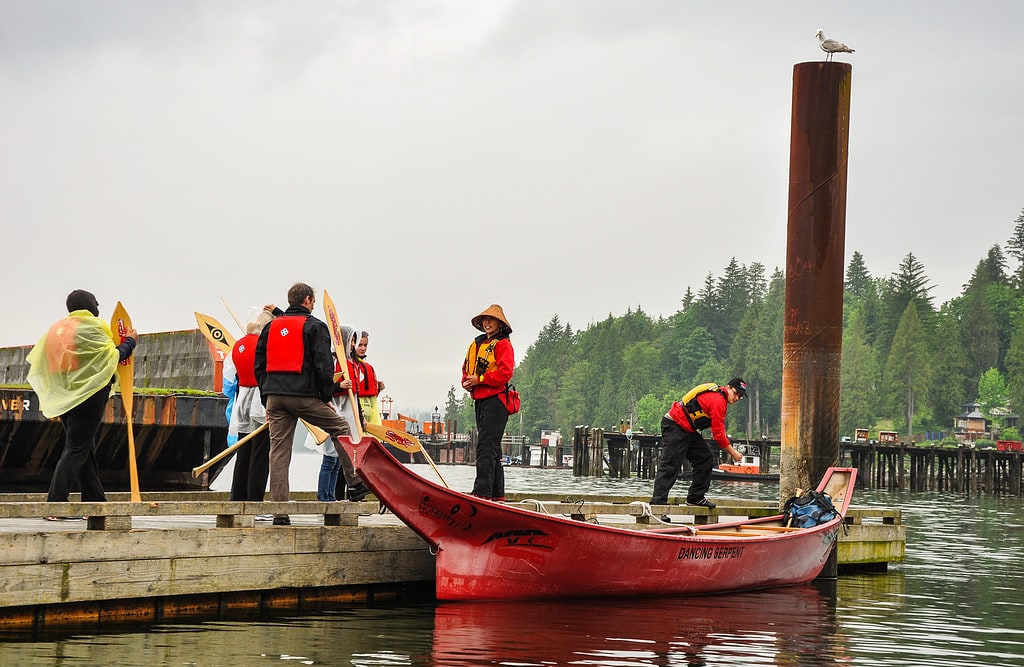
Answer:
(436, 471)
(133, 468)
(198, 470)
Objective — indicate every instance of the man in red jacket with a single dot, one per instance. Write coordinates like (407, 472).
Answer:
(703, 406)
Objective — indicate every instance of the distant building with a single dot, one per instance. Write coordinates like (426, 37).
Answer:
(971, 426)
(552, 438)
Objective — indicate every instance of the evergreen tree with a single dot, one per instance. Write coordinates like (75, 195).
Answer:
(859, 378)
(640, 361)
(907, 286)
(1015, 246)
(1015, 363)
(908, 372)
(742, 363)
(992, 269)
(452, 407)
(577, 401)
(949, 387)
(734, 290)
(538, 375)
(858, 283)
(861, 293)
(979, 331)
(697, 349)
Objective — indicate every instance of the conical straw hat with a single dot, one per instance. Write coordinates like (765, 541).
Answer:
(495, 311)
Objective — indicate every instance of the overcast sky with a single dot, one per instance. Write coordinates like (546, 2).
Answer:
(421, 160)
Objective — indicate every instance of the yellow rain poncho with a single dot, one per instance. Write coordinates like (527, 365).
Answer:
(71, 362)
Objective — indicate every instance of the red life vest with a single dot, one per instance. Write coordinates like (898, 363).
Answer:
(366, 379)
(285, 344)
(243, 355)
(349, 374)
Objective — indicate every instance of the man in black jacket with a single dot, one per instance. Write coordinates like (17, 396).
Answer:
(295, 372)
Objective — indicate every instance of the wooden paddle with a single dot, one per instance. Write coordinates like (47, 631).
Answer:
(399, 439)
(198, 470)
(120, 325)
(340, 348)
(232, 313)
(405, 442)
(214, 332)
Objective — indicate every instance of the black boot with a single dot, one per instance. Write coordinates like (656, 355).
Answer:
(358, 492)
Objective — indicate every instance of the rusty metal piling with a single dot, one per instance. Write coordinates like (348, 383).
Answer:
(816, 229)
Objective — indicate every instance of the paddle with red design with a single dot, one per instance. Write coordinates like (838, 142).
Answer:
(120, 325)
(405, 442)
(334, 324)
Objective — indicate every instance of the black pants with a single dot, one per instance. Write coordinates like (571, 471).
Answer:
(78, 461)
(677, 444)
(252, 468)
(491, 417)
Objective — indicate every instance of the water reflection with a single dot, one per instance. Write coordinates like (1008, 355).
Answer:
(352, 636)
(794, 626)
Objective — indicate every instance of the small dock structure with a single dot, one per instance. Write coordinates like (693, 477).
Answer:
(168, 557)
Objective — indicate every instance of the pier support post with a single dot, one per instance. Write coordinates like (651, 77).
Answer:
(816, 229)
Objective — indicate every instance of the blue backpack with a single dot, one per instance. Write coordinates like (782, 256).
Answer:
(811, 509)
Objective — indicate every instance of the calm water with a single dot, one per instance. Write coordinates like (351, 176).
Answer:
(958, 600)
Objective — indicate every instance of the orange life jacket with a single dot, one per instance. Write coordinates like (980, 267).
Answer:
(60, 346)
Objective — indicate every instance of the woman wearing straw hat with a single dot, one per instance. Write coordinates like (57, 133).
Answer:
(486, 373)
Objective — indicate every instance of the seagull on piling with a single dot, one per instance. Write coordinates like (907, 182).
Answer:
(831, 46)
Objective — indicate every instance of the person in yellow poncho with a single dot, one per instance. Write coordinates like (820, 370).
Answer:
(72, 370)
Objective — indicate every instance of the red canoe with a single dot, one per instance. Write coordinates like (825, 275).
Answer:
(489, 550)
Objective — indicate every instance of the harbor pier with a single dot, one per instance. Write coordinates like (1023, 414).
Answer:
(188, 555)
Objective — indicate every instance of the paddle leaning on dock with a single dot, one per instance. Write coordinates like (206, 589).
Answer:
(490, 550)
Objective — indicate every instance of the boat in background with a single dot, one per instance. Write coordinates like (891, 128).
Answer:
(490, 550)
(747, 470)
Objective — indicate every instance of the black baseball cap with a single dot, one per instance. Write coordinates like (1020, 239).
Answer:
(739, 385)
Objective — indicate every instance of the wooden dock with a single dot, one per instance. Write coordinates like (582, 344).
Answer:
(166, 558)
(879, 466)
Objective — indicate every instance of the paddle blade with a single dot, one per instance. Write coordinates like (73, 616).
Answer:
(334, 324)
(215, 332)
(399, 439)
(120, 324)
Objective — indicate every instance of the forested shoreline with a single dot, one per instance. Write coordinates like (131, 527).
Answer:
(907, 365)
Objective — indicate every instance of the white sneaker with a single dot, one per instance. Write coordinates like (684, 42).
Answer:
(264, 517)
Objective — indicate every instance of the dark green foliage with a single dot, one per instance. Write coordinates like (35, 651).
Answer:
(903, 361)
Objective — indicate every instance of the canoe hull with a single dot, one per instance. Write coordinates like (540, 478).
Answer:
(488, 550)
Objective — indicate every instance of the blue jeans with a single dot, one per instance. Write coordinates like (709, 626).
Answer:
(329, 469)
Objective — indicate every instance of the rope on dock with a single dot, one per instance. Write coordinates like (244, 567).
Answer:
(538, 505)
(645, 508)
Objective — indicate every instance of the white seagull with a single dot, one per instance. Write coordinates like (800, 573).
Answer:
(831, 46)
